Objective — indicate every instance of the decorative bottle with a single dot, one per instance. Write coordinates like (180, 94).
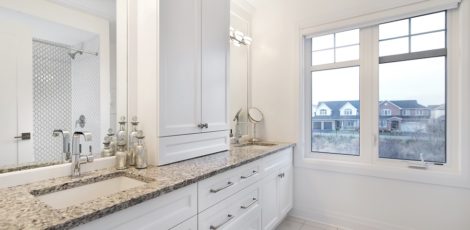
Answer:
(121, 155)
(132, 142)
(122, 133)
(140, 152)
(112, 141)
(107, 151)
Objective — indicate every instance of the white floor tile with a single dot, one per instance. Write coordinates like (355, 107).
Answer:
(289, 225)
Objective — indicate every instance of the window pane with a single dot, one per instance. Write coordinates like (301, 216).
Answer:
(428, 23)
(323, 57)
(393, 29)
(412, 119)
(394, 46)
(335, 111)
(350, 37)
(323, 42)
(428, 41)
(347, 53)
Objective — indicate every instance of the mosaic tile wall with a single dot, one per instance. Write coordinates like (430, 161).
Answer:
(52, 99)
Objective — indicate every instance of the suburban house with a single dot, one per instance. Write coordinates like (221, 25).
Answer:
(398, 115)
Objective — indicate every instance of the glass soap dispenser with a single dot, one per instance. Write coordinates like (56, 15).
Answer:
(140, 152)
(112, 141)
(121, 155)
(122, 133)
(107, 151)
(132, 142)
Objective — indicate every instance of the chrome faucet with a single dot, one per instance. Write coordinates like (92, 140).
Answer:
(77, 157)
(238, 133)
(65, 142)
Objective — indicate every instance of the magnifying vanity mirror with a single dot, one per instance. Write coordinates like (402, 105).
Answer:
(63, 69)
(255, 116)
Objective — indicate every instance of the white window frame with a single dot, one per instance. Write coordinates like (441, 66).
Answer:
(386, 112)
(348, 112)
(369, 163)
(323, 112)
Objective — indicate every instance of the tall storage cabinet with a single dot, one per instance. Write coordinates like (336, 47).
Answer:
(190, 91)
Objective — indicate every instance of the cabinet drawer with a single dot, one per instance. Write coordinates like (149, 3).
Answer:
(219, 187)
(248, 221)
(178, 148)
(162, 212)
(230, 211)
(273, 163)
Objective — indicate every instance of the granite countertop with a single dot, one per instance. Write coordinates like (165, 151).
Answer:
(20, 209)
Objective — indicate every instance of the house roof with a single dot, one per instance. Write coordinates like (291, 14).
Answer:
(408, 104)
(336, 105)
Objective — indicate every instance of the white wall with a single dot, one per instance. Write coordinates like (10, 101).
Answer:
(358, 202)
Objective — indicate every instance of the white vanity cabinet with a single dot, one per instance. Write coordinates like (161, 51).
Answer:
(172, 210)
(190, 89)
(276, 190)
(258, 197)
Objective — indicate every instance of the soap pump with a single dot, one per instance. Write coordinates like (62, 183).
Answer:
(121, 154)
(140, 152)
(132, 142)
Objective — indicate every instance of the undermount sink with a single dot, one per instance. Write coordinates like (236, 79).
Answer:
(88, 192)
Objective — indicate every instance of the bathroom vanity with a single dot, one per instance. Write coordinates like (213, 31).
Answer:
(248, 187)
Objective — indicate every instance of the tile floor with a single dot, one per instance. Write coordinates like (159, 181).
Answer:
(292, 223)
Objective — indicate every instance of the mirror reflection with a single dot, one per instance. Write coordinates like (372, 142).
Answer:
(59, 76)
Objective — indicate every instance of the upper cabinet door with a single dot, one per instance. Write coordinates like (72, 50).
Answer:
(180, 67)
(215, 48)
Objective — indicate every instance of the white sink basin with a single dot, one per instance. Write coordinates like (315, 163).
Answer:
(84, 193)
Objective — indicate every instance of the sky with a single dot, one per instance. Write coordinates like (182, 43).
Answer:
(422, 80)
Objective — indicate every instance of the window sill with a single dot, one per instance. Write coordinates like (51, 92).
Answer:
(457, 179)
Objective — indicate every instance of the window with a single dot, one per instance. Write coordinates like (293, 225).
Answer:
(386, 112)
(337, 47)
(408, 104)
(413, 79)
(334, 80)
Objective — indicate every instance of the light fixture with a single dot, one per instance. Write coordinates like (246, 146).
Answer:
(238, 38)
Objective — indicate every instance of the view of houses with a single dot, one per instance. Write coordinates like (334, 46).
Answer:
(394, 116)
(408, 129)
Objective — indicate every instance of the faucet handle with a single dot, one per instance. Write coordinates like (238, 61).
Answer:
(90, 157)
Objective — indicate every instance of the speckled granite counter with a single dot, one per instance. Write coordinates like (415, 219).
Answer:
(20, 209)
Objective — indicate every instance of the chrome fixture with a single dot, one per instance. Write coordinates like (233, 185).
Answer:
(238, 38)
(73, 52)
(255, 116)
(77, 157)
(65, 142)
(238, 134)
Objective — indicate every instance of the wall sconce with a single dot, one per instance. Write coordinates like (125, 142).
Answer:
(238, 38)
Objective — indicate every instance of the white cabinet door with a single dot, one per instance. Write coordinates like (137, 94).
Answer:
(180, 67)
(215, 46)
(285, 190)
(270, 201)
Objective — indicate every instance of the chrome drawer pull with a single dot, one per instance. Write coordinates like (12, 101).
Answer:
(247, 206)
(229, 217)
(222, 188)
(254, 173)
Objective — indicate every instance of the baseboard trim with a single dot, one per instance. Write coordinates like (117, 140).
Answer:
(341, 221)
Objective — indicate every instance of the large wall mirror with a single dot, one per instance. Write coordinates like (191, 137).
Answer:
(240, 83)
(63, 66)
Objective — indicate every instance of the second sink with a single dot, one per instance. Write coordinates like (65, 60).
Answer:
(88, 192)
